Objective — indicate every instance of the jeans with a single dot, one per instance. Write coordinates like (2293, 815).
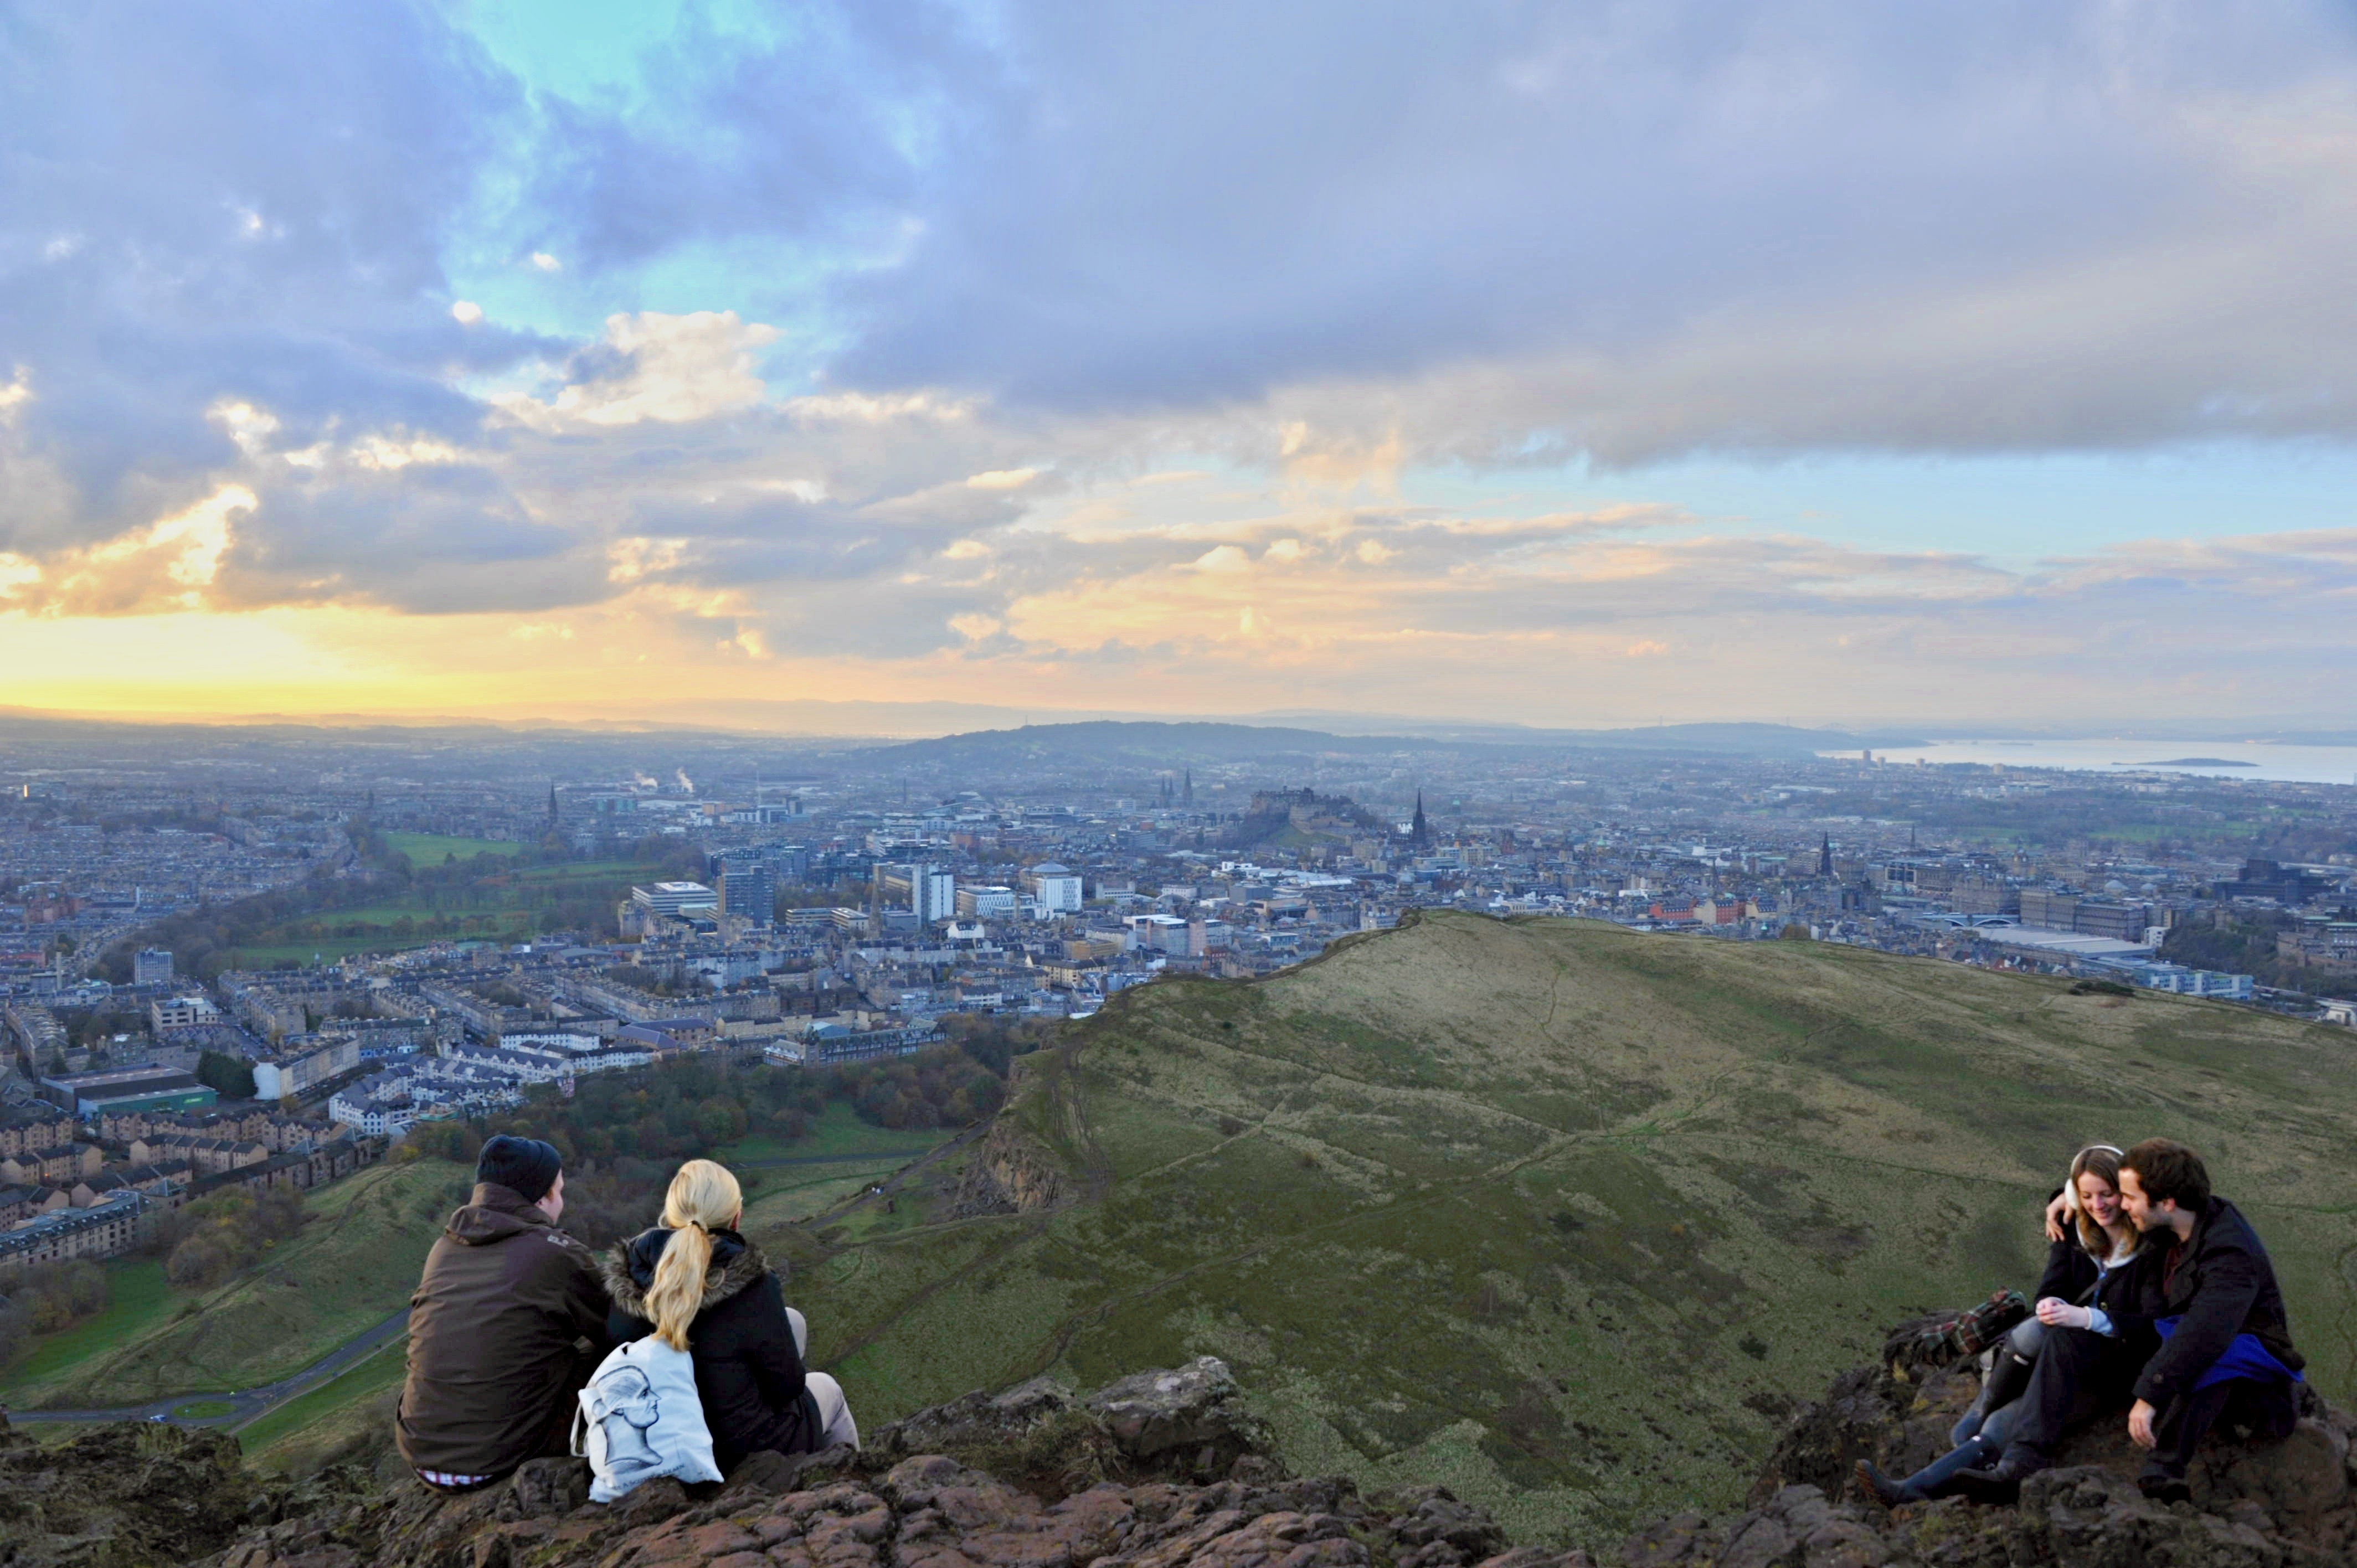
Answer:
(833, 1410)
(2078, 1374)
(2265, 1407)
(2028, 1336)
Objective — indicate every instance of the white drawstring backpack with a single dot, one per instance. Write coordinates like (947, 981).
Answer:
(641, 1418)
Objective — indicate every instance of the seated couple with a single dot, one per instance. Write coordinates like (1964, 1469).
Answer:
(513, 1315)
(2158, 1299)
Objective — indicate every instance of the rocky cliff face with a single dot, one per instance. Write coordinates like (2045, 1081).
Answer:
(1011, 1174)
(1160, 1470)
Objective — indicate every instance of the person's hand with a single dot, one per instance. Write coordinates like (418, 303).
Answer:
(2140, 1425)
(2055, 1213)
(2056, 1313)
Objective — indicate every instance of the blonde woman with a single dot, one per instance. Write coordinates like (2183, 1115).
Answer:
(2092, 1241)
(701, 1287)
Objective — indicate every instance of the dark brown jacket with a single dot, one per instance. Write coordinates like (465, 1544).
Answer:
(492, 1358)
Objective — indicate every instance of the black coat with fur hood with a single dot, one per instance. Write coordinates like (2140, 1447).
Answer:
(746, 1367)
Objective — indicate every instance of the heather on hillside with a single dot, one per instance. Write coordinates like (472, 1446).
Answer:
(46, 1297)
(212, 1239)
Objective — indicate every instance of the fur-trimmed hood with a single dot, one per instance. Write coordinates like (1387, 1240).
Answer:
(629, 1269)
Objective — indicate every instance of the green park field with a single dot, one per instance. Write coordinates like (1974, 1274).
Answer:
(434, 849)
(503, 904)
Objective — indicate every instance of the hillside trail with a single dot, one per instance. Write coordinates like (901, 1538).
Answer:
(245, 1405)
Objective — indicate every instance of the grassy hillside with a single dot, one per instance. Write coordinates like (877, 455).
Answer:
(1561, 1215)
(354, 1263)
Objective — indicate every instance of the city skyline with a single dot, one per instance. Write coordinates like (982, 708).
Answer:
(509, 360)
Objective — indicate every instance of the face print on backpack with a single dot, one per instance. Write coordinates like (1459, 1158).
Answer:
(628, 1410)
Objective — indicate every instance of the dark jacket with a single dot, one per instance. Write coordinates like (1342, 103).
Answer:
(747, 1371)
(2070, 1274)
(2219, 1284)
(493, 1357)
(2073, 1272)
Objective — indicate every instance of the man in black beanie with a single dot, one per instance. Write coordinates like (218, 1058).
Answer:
(506, 1326)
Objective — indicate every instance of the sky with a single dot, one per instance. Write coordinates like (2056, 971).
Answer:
(1557, 364)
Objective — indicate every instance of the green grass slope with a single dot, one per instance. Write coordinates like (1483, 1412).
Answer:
(1561, 1215)
(354, 1263)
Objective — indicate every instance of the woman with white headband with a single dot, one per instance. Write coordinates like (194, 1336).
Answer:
(2091, 1238)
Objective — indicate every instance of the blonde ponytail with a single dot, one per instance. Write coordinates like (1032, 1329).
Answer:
(704, 1198)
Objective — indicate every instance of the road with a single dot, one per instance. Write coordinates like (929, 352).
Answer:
(244, 1403)
(875, 1158)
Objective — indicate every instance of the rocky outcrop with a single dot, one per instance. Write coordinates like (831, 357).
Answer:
(1189, 1424)
(926, 1511)
(1011, 1174)
(1154, 1471)
(1162, 1469)
(140, 1493)
(2255, 1505)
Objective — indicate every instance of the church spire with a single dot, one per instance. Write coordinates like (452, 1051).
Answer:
(1419, 830)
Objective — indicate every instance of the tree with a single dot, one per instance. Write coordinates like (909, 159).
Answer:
(226, 1075)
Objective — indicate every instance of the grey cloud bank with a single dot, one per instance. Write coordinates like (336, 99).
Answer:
(1327, 245)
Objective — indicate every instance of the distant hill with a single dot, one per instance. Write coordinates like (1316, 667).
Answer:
(1560, 1215)
(1142, 744)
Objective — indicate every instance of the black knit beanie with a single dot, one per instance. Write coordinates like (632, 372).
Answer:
(525, 1166)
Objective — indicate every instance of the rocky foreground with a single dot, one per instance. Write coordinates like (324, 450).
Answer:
(1159, 1470)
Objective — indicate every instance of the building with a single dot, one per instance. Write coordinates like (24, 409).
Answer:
(37, 1031)
(674, 898)
(2104, 917)
(207, 1156)
(576, 1053)
(1055, 888)
(2048, 910)
(931, 892)
(831, 1043)
(2289, 886)
(152, 966)
(182, 1013)
(2187, 981)
(748, 889)
(306, 1068)
(31, 1129)
(88, 1094)
(104, 1230)
(364, 1114)
(1156, 933)
(989, 903)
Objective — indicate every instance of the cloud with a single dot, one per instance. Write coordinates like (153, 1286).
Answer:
(1520, 232)
(675, 369)
(899, 332)
(170, 565)
(1002, 479)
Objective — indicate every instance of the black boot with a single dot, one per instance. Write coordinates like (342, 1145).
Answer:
(2008, 1377)
(2001, 1486)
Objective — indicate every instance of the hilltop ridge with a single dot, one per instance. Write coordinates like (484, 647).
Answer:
(1564, 1217)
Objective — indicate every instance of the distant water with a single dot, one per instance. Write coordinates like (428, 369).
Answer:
(2281, 763)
